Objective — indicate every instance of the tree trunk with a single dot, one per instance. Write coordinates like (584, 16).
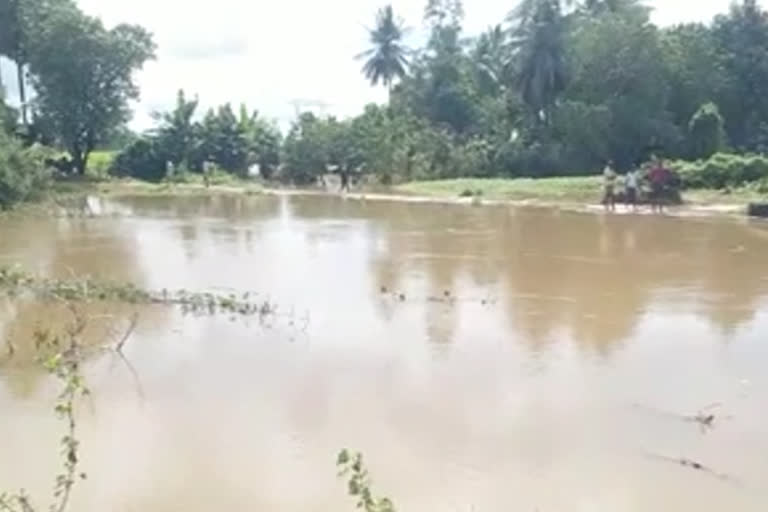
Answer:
(22, 92)
(84, 160)
(79, 159)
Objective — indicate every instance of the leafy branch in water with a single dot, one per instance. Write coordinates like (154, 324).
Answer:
(61, 356)
(15, 282)
(352, 468)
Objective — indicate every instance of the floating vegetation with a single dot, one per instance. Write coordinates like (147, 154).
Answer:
(447, 297)
(14, 282)
(359, 485)
(692, 464)
(61, 354)
(705, 418)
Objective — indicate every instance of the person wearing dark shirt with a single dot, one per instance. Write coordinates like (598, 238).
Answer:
(658, 177)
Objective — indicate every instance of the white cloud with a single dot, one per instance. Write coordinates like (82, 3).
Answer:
(268, 53)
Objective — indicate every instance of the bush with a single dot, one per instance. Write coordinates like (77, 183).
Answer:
(23, 173)
(143, 159)
(706, 135)
(537, 160)
(472, 159)
(181, 176)
(8, 116)
(100, 163)
(722, 170)
(216, 176)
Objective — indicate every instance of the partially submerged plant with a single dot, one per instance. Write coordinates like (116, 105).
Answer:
(15, 282)
(352, 468)
(61, 355)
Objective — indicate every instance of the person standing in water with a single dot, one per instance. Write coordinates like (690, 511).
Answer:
(658, 177)
(631, 187)
(344, 181)
(609, 187)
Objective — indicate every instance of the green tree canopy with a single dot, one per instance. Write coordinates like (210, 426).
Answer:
(387, 59)
(705, 132)
(742, 38)
(83, 76)
(538, 30)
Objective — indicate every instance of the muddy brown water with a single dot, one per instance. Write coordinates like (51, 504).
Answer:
(507, 379)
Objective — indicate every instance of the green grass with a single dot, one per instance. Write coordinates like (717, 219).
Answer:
(99, 163)
(739, 196)
(130, 187)
(561, 190)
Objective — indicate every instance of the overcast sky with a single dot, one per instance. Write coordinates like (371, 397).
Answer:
(268, 54)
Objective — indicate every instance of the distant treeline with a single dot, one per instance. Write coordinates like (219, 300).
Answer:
(555, 89)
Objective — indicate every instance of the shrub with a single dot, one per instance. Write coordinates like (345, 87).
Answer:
(23, 173)
(181, 176)
(143, 159)
(8, 116)
(706, 135)
(722, 170)
(100, 163)
(537, 160)
(472, 159)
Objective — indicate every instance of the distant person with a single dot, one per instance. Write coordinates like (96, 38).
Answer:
(631, 182)
(344, 181)
(609, 187)
(207, 171)
(658, 177)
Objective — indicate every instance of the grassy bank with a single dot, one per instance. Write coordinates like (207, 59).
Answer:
(561, 190)
(130, 187)
(65, 197)
(575, 190)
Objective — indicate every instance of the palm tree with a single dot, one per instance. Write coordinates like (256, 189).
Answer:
(538, 32)
(387, 59)
(491, 57)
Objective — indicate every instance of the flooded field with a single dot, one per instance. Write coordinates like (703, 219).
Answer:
(482, 358)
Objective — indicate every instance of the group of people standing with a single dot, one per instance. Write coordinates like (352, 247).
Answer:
(658, 178)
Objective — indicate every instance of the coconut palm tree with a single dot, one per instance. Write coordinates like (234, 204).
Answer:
(539, 51)
(387, 59)
(491, 58)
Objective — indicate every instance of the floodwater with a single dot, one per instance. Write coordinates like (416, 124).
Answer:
(536, 360)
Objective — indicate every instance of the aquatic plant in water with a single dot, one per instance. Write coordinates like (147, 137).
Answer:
(352, 468)
(14, 282)
(61, 355)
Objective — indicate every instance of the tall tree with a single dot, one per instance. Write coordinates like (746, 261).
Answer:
(490, 56)
(305, 150)
(538, 31)
(224, 141)
(178, 133)
(742, 36)
(695, 71)
(387, 59)
(444, 13)
(12, 45)
(618, 73)
(20, 24)
(444, 18)
(83, 77)
(263, 140)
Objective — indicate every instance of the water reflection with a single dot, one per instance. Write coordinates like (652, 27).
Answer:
(588, 277)
(592, 276)
(520, 339)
